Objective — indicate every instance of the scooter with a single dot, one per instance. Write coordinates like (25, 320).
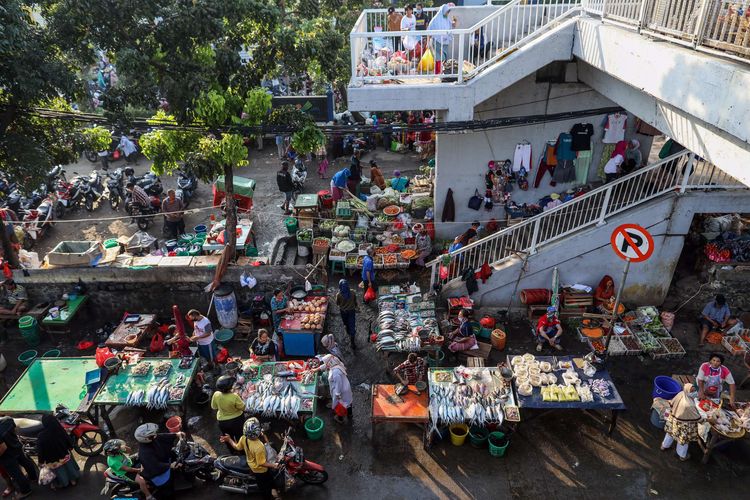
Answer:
(88, 439)
(187, 184)
(138, 211)
(236, 477)
(151, 183)
(93, 191)
(194, 461)
(299, 176)
(37, 221)
(115, 188)
(69, 196)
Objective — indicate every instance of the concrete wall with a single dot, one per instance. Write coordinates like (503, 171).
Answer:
(586, 256)
(461, 159)
(116, 290)
(698, 99)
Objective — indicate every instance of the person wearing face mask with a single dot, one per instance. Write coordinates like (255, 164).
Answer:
(422, 18)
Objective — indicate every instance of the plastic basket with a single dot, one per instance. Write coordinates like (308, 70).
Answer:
(616, 347)
(673, 347)
(498, 443)
(730, 341)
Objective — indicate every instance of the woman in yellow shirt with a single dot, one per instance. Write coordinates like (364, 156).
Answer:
(255, 452)
(229, 408)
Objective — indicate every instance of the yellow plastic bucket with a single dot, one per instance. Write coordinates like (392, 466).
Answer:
(459, 433)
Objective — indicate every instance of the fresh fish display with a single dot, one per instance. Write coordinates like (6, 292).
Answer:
(475, 396)
(403, 327)
(136, 398)
(157, 395)
(272, 397)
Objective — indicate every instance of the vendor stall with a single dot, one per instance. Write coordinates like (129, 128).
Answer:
(474, 396)
(48, 382)
(215, 236)
(551, 383)
(131, 331)
(283, 389)
(243, 188)
(722, 425)
(390, 407)
(59, 318)
(150, 383)
(406, 321)
(301, 330)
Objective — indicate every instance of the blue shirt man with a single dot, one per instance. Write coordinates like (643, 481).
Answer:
(368, 269)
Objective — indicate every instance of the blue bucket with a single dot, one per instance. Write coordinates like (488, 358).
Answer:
(201, 228)
(666, 387)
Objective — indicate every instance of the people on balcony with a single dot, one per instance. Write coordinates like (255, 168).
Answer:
(409, 23)
(441, 43)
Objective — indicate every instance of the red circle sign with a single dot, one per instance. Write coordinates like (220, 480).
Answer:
(632, 242)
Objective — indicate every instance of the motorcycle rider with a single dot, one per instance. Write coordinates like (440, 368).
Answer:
(255, 452)
(138, 196)
(121, 465)
(286, 186)
(12, 458)
(154, 453)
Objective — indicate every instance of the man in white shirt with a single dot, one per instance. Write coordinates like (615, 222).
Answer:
(203, 335)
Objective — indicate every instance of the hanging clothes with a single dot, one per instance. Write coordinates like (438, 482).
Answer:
(582, 164)
(581, 133)
(522, 157)
(549, 154)
(614, 128)
(484, 273)
(468, 276)
(564, 148)
(606, 155)
(544, 166)
(564, 171)
(449, 207)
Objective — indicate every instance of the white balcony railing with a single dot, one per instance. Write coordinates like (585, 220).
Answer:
(485, 35)
(678, 173)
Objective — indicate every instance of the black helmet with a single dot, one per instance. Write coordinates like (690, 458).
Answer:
(114, 446)
(224, 383)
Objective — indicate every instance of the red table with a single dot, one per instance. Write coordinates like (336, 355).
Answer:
(413, 410)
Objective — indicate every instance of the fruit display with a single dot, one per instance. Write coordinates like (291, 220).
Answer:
(312, 321)
(316, 305)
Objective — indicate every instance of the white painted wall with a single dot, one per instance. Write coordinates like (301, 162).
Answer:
(585, 257)
(461, 159)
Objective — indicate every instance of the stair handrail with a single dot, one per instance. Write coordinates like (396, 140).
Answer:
(473, 251)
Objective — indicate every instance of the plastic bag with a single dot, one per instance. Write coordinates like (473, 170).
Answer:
(370, 294)
(270, 453)
(427, 63)
(157, 343)
(222, 356)
(340, 410)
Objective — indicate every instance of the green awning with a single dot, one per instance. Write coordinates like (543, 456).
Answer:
(242, 185)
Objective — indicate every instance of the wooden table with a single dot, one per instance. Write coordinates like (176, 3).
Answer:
(60, 325)
(413, 410)
(145, 325)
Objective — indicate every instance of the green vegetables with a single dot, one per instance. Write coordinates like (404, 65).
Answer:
(327, 224)
(422, 202)
(305, 235)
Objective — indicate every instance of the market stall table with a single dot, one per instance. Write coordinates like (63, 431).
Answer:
(475, 396)
(306, 201)
(245, 236)
(48, 382)
(613, 403)
(290, 372)
(300, 339)
(387, 407)
(712, 437)
(131, 331)
(120, 385)
(62, 323)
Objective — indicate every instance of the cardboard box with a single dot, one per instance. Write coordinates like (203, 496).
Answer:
(76, 253)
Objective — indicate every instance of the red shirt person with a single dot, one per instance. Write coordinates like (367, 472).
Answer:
(548, 329)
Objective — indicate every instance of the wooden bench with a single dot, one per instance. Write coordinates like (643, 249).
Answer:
(483, 353)
(475, 362)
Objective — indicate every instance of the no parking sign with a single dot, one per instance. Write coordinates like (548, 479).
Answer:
(631, 242)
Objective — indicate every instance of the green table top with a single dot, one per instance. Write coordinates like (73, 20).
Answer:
(242, 185)
(308, 200)
(118, 387)
(48, 382)
(73, 307)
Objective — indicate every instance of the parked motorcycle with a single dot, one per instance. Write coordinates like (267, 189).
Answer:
(194, 462)
(236, 477)
(38, 221)
(115, 188)
(55, 175)
(88, 439)
(69, 196)
(92, 189)
(151, 183)
(187, 184)
(138, 211)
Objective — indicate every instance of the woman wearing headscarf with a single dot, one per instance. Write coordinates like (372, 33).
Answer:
(376, 176)
(424, 244)
(329, 342)
(347, 302)
(682, 423)
(613, 168)
(341, 390)
(338, 183)
(440, 43)
(633, 156)
(53, 450)
(399, 183)
(604, 291)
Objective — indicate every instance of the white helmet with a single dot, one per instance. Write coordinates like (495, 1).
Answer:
(251, 429)
(146, 432)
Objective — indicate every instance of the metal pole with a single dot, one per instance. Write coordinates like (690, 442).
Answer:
(615, 306)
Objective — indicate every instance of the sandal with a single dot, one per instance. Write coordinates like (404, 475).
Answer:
(685, 459)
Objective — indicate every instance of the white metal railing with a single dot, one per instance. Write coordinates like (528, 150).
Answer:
(379, 55)
(679, 172)
(457, 54)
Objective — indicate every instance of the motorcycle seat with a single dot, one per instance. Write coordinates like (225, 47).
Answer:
(234, 463)
(28, 427)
